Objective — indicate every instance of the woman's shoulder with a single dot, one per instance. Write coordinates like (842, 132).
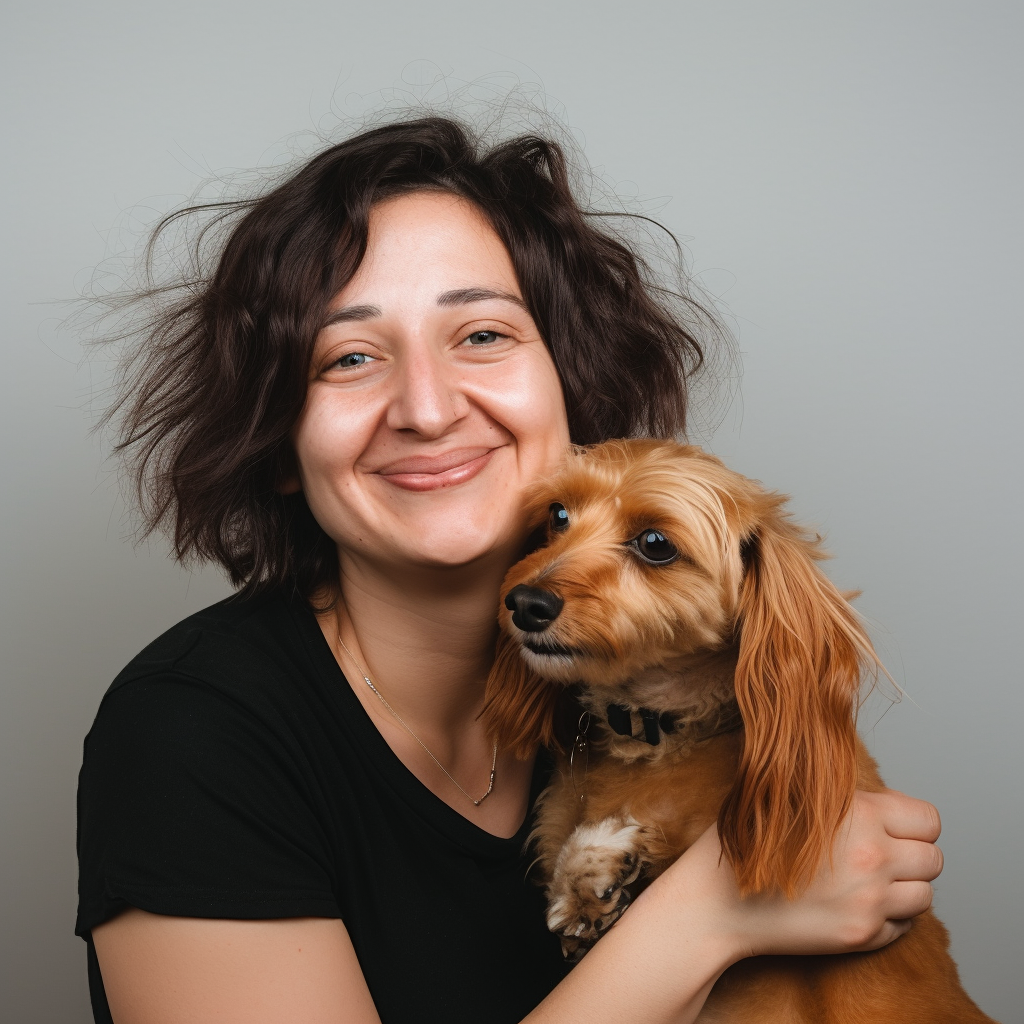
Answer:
(238, 646)
(202, 772)
(250, 671)
(234, 623)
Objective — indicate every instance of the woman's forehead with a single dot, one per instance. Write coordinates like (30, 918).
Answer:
(429, 246)
(440, 223)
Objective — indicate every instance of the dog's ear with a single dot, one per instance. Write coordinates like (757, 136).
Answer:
(802, 654)
(519, 705)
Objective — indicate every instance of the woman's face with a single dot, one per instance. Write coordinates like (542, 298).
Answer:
(433, 402)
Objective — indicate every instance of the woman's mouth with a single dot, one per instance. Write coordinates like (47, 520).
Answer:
(431, 472)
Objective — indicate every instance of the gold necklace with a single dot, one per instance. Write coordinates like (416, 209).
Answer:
(380, 697)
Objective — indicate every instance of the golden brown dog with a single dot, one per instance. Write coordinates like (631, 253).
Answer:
(719, 671)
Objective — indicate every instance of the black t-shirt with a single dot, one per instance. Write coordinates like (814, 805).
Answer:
(231, 772)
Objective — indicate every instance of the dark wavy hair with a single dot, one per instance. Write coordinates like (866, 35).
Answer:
(208, 400)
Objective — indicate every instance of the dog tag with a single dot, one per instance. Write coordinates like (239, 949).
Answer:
(579, 757)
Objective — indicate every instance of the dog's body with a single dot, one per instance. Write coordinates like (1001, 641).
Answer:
(718, 674)
(588, 846)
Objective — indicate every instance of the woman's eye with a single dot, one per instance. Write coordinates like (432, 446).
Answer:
(654, 547)
(351, 359)
(483, 337)
(558, 517)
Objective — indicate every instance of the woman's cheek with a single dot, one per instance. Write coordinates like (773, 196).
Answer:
(529, 403)
(330, 435)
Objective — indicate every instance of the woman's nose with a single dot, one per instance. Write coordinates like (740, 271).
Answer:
(426, 396)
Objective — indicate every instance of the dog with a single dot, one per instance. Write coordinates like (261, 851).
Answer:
(715, 674)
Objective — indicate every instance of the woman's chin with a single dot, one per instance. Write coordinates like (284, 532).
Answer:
(445, 550)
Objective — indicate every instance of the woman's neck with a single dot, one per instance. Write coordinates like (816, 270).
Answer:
(425, 637)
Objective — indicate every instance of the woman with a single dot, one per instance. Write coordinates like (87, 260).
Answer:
(290, 810)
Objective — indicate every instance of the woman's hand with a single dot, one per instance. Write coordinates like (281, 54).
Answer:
(883, 863)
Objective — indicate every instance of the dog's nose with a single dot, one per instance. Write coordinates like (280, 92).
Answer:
(533, 609)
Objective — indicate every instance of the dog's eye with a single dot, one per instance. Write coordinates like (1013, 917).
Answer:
(559, 517)
(655, 547)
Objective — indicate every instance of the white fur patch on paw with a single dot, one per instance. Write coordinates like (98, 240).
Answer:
(597, 860)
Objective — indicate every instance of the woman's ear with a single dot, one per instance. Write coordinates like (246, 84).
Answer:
(802, 655)
(519, 706)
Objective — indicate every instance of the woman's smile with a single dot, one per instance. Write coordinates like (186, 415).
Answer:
(431, 472)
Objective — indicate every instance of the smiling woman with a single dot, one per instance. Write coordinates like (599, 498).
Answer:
(280, 809)
(430, 373)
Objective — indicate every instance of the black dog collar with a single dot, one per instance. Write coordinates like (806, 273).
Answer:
(620, 718)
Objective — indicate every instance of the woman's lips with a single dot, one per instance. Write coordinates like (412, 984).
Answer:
(430, 472)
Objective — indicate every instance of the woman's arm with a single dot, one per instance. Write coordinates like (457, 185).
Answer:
(172, 970)
(655, 966)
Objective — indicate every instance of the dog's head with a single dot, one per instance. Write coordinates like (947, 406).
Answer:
(654, 551)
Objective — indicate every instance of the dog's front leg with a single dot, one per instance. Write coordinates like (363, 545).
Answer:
(587, 892)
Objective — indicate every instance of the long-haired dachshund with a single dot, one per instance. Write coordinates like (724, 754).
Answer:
(719, 672)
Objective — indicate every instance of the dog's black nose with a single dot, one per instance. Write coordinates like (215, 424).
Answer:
(533, 609)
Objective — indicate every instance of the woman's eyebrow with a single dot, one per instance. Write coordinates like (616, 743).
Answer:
(456, 297)
(459, 296)
(349, 313)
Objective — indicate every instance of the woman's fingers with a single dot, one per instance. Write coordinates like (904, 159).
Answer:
(905, 900)
(892, 837)
(916, 861)
(889, 932)
(905, 817)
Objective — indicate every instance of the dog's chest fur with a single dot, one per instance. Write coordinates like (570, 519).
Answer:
(674, 793)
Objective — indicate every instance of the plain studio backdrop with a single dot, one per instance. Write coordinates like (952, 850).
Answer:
(846, 179)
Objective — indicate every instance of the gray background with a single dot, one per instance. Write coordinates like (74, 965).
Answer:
(847, 177)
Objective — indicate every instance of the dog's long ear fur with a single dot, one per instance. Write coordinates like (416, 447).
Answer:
(802, 654)
(519, 706)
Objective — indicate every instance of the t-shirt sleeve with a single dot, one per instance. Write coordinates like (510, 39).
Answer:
(191, 804)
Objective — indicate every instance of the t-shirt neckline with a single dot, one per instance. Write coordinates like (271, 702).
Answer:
(361, 726)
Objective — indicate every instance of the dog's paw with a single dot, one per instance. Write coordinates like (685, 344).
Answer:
(587, 893)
